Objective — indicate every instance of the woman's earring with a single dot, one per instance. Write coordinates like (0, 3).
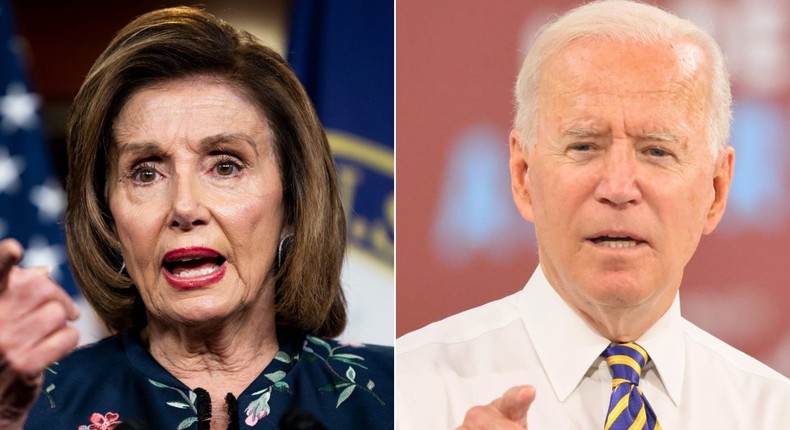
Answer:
(120, 257)
(283, 248)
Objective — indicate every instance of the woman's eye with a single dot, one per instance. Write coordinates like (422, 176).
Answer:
(147, 176)
(226, 169)
(144, 174)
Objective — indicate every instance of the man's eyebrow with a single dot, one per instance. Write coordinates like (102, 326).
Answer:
(581, 132)
(661, 136)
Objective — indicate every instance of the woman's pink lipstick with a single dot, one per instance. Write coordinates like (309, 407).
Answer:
(193, 267)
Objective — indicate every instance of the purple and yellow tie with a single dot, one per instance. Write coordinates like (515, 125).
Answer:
(628, 408)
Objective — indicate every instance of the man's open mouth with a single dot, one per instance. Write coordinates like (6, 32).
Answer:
(616, 241)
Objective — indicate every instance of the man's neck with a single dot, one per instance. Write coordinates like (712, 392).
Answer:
(624, 324)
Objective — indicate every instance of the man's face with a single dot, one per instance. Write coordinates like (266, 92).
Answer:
(620, 183)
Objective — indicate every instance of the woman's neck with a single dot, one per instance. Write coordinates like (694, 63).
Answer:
(219, 357)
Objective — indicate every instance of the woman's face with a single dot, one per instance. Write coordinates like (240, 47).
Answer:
(196, 196)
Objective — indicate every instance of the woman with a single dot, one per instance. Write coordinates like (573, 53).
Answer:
(204, 226)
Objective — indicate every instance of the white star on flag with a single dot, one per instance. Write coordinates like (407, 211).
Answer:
(10, 168)
(18, 108)
(39, 253)
(49, 199)
(31, 203)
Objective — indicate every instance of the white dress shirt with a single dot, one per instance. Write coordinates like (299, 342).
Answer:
(694, 381)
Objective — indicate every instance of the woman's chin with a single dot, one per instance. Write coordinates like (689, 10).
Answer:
(217, 307)
(198, 313)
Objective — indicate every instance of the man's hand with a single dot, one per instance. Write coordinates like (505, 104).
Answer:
(34, 311)
(505, 413)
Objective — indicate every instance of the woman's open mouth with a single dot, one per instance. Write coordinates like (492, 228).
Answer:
(193, 267)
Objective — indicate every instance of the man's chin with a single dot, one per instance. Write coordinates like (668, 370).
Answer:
(619, 289)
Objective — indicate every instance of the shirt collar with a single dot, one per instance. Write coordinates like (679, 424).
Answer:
(568, 349)
(665, 343)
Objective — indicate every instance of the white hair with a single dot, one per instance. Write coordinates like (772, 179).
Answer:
(621, 20)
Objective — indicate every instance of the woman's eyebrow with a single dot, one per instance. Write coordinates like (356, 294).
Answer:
(149, 148)
(217, 140)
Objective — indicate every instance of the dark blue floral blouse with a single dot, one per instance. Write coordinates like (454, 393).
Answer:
(341, 385)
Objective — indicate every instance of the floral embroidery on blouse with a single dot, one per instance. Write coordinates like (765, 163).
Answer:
(345, 370)
(108, 421)
(51, 387)
(346, 382)
(187, 403)
(314, 348)
(259, 408)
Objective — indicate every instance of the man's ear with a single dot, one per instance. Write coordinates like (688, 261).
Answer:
(519, 178)
(722, 178)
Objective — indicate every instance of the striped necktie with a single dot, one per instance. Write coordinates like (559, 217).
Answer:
(628, 408)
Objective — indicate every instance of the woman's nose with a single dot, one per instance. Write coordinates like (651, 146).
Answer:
(187, 206)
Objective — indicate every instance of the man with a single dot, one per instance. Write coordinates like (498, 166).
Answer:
(619, 157)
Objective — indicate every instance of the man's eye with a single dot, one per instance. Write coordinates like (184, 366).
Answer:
(657, 152)
(581, 147)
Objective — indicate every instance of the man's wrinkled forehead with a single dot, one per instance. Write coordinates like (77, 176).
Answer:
(624, 63)
(587, 71)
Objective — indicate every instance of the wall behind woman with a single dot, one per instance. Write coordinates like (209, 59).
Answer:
(462, 243)
(61, 40)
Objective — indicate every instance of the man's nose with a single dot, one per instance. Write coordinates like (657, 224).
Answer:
(187, 207)
(617, 183)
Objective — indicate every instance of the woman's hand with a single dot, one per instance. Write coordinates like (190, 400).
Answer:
(34, 311)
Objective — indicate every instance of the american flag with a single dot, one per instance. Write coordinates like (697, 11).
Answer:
(32, 201)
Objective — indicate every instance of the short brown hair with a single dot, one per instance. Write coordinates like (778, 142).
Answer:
(178, 43)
